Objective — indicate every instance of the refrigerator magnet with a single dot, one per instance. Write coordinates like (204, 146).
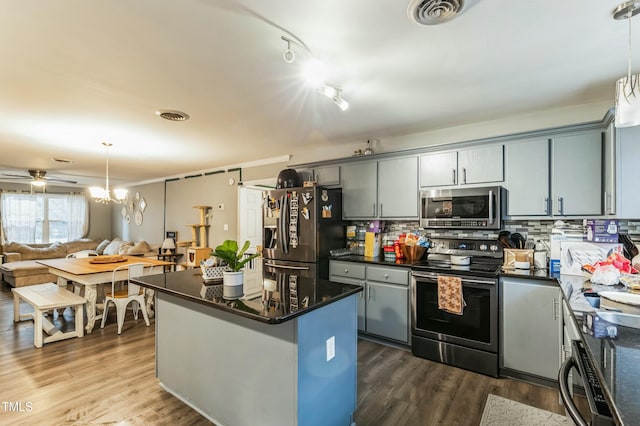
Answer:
(306, 197)
(325, 195)
(305, 213)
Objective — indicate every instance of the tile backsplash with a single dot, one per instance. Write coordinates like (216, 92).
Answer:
(531, 229)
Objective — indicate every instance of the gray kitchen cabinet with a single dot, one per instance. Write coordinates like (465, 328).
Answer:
(576, 174)
(327, 175)
(628, 149)
(609, 170)
(351, 273)
(462, 167)
(531, 326)
(380, 189)
(383, 308)
(359, 190)
(398, 188)
(527, 177)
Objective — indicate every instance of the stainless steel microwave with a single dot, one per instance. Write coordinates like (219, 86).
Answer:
(462, 208)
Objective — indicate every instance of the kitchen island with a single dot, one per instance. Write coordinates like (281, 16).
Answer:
(287, 357)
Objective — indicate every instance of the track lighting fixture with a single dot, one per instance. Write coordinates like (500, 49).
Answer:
(315, 72)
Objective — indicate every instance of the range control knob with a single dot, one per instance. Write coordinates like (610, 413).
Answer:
(493, 247)
(483, 247)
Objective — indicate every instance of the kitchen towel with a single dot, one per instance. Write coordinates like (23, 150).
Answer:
(450, 294)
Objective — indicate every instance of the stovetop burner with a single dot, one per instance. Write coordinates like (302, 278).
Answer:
(486, 257)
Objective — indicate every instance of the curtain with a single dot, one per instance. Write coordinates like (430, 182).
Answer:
(43, 218)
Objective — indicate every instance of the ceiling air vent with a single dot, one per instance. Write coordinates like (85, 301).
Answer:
(172, 115)
(433, 12)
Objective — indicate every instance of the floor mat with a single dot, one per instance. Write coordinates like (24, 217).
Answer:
(502, 411)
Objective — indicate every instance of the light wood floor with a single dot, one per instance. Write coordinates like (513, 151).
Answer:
(104, 378)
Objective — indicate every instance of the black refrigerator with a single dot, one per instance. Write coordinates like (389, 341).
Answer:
(301, 226)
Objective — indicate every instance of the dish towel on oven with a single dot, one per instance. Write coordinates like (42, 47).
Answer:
(450, 294)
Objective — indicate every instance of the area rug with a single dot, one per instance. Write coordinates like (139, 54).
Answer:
(503, 411)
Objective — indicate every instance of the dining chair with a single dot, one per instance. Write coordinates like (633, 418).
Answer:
(82, 253)
(130, 293)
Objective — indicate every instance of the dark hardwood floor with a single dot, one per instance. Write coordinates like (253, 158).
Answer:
(104, 378)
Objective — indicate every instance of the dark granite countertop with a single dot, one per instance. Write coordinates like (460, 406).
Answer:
(616, 360)
(375, 260)
(268, 307)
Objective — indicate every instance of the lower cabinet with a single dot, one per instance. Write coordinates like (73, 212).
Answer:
(383, 308)
(531, 326)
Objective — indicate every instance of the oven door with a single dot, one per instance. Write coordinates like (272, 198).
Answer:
(476, 328)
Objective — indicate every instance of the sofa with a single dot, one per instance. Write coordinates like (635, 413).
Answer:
(20, 267)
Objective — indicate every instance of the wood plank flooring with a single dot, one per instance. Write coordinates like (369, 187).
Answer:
(104, 378)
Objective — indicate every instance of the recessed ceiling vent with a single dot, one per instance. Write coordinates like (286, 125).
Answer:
(433, 12)
(173, 115)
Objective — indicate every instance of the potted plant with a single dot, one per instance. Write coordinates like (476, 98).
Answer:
(229, 253)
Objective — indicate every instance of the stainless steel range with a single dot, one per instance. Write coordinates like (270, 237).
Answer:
(468, 340)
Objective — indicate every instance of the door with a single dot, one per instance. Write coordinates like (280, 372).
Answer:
(577, 174)
(387, 307)
(527, 178)
(398, 188)
(480, 165)
(439, 169)
(250, 201)
(531, 327)
(359, 190)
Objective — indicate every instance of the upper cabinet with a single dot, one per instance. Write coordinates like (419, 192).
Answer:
(576, 174)
(561, 176)
(382, 189)
(527, 177)
(462, 167)
(327, 175)
(628, 150)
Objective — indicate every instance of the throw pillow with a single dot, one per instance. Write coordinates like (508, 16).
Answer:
(115, 246)
(140, 247)
(81, 244)
(53, 251)
(102, 246)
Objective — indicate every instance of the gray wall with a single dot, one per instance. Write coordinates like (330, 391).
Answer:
(151, 229)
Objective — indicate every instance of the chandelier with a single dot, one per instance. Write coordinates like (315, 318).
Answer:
(103, 195)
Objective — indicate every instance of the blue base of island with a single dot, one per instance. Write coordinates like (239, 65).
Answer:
(237, 371)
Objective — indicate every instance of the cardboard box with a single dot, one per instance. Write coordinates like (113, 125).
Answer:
(196, 254)
(601, 230)
(372, 244)
(555, 240)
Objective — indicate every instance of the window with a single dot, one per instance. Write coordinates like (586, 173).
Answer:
(43, 218)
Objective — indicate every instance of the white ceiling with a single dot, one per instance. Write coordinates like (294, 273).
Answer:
(75, 73)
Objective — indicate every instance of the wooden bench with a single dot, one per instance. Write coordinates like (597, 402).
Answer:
(45, 297)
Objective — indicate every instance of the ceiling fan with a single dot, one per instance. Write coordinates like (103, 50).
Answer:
(37, 177)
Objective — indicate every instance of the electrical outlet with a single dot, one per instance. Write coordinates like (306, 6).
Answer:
(225, 227)
(331, 348)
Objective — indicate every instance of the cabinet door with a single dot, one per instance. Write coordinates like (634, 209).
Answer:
(527, 178)
(388, 311)
(481, 165)
(577, 174)
(439, 169)
(628, 162)
(531, 327)
(327, 175)
(359, 190)
(398, 188)
(351, 273)
(609, 170)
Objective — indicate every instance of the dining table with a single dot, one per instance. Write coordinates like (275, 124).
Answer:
(89, 272)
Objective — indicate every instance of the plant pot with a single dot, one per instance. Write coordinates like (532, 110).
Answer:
(232, 284)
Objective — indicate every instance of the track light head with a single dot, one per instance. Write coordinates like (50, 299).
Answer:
(289, 56)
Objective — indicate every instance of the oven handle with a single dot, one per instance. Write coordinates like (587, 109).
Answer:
(434, 278)
(563, 380)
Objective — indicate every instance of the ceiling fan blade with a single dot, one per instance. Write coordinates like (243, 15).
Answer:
(59, 180)
(16, 176)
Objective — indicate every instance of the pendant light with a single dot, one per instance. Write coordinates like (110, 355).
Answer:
(628, 88)
(103, 195)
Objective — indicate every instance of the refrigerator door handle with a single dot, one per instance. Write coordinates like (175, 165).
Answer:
(300, 268)
(283, 225)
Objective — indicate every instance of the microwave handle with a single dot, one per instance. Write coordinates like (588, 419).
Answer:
(491, 219)
(565, 394)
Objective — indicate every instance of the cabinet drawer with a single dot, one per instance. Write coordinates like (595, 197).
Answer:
(388, 275)
(347, 269)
